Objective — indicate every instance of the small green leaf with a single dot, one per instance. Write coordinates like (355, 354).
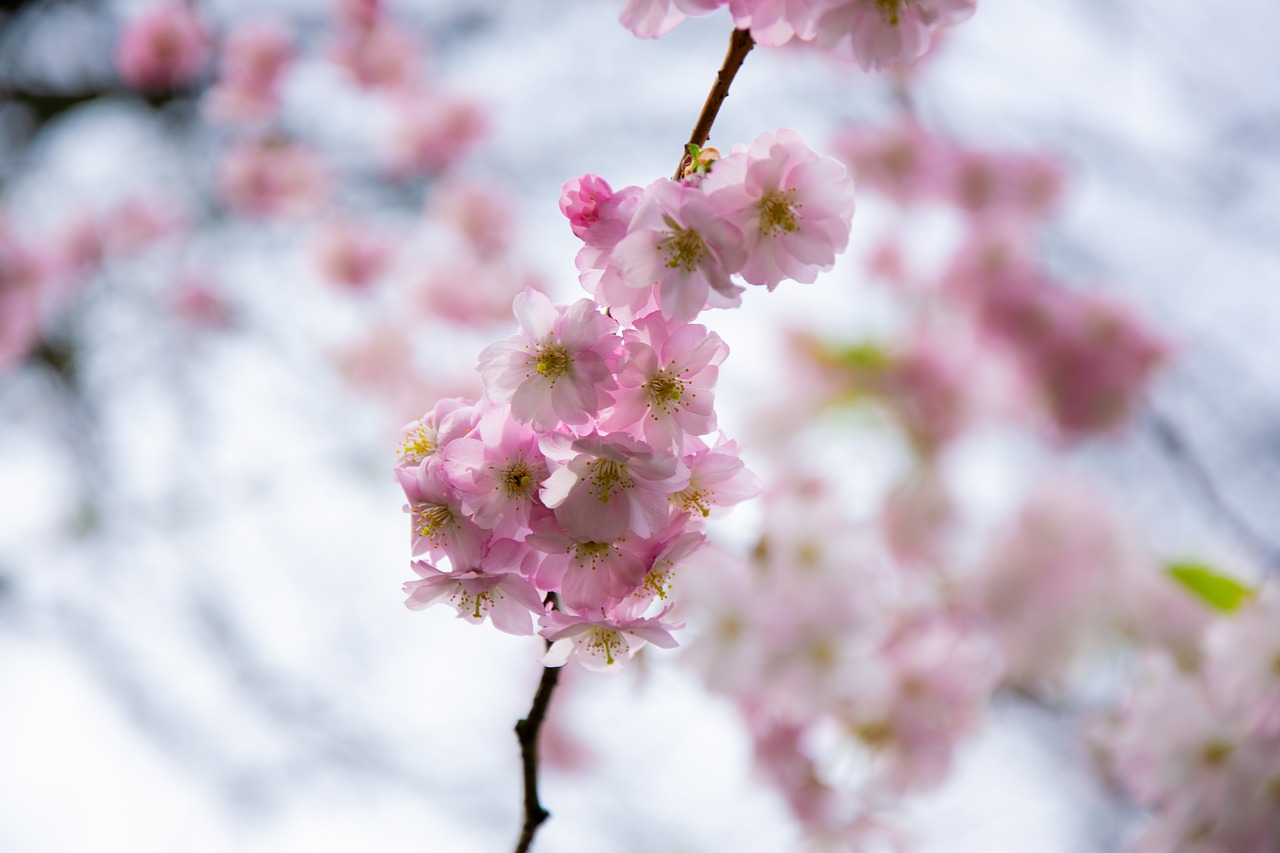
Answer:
(1217, 590)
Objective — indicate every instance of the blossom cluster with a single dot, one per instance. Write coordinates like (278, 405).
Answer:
(876, 34)
(1081, 361)
(392, 272)
(768, 212)
(849, 673)
(585, 470)
(1200, 745)
(577, 486)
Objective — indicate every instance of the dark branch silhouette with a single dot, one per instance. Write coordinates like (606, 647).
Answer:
(527, 732)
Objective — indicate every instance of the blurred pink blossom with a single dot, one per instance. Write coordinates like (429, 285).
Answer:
(272, 176)
(165, 47)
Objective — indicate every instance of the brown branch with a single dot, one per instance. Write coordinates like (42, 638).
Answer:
(527, 732)
(740, 44)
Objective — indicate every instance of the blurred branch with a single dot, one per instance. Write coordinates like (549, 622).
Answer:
(740, 44)
(48, 104)
(1176, 446)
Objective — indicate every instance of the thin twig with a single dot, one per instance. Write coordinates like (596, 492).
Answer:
(1174, 443)
(740, 44)
(527, 732)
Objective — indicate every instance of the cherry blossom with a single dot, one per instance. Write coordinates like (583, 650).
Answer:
(792, 206)
(608, 485)
(498, 471)
(554, 371)
(272, 176)
(165, 47)
(666, 379)
(679, 243)
(654, 18)
(601, 644)
(506, 599)
(879, 33)
(254, 58)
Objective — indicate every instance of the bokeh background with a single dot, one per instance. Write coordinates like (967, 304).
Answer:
(202, 641)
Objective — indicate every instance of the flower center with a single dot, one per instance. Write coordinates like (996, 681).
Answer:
(477, 603)
(693, 499)
(889, 10)
(517, 479)
(608, 478)
(664, 391)
(418, 443)
(685, 248)
(433, 520)
(552, 360)
(778, 213)
(602, 641)
(1216, 752)
(657, 582)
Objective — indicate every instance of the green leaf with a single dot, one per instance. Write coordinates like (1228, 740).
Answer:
(1217, 590)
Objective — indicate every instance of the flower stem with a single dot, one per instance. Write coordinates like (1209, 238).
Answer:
(740, 44)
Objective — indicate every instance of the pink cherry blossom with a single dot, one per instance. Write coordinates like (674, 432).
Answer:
(935, 677)
(718, 479)
(880, 33)
(598, 215)
(254, 58)
(165, 47)
(1044, 584)
(498, 470)
(439, 526)
(592, 575)
(792, 206)
(918, 516)
(554, 371)
(601, 644)
(673, 552)
(481, 214)
(360, 14)
(272, 176)
(654, 18)
(609, 485)
(903, 161)
(196, 301)
(422, 438)
(775, 22)
(507, 599)
(931, 386)
(380, 55)
(666, 378)
(486, 298)
(137, 223)
(351, 255)
(680, 244)
(1243, 661)
(23, 279)
(601, 218)
(431, 132)
(1209, 779)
